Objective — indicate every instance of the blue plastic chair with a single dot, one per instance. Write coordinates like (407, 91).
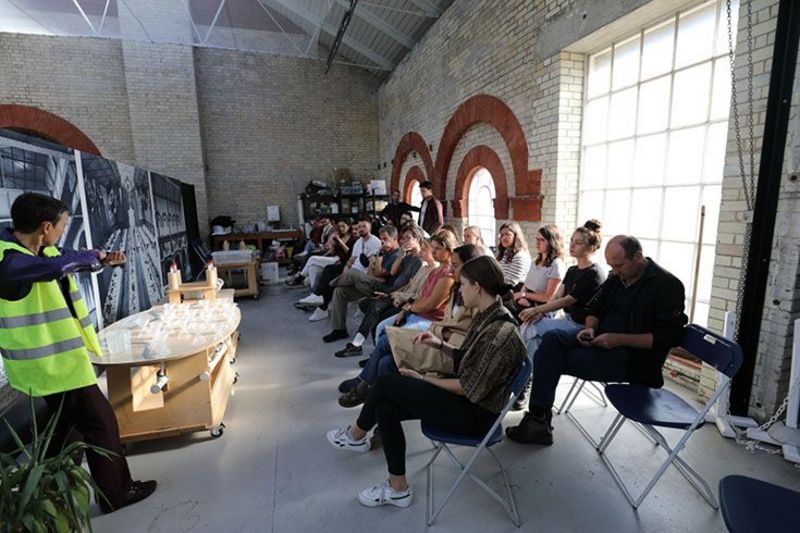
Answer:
(752, 506)
(441, 439)
(652, 408)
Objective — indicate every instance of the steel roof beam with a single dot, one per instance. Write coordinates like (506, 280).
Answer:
(368, 16)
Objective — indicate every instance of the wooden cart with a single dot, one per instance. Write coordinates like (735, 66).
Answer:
(176, 382)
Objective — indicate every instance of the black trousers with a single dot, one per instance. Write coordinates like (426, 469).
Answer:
(86, 415)
(396, 398)
(560, 353)
(324, 288)
(375, 311)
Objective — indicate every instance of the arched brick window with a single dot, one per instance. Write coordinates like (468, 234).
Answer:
(26, 119)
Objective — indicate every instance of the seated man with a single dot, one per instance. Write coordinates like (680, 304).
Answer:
(404, 268)
(335, 250)
(353, 285)
(363, 249)
(633, 321)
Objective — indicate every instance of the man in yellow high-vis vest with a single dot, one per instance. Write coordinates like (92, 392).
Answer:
(46, 336)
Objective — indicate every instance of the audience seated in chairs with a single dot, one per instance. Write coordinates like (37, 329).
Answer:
(353, 285)
(466, 403)
(366, 246)
(633, 321)
(396, 342)
(322, 229)
(580, 284)
(513, 254)
(384, 299)
(335, 250)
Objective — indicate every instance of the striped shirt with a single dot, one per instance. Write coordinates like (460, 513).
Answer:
(516, 269)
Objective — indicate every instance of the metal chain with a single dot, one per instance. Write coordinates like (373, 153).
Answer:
(748, 188)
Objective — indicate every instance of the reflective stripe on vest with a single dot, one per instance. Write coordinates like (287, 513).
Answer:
(43, 344)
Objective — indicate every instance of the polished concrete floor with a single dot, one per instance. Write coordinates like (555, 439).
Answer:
(274, 471)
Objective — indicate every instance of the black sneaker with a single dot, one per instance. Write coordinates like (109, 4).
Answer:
(348, 384)
(336, 335)
(355, 397)
(349, 351)
(137, 491)
(295, 282)
(531, 430)
(363, 362)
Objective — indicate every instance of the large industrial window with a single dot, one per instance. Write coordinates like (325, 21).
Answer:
(653, 143)
(480, 207)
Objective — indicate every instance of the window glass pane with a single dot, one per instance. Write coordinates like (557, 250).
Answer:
(722, 26)
(714, 157)
(681, 213)
(594, 167)
(648, 167)
(706, 274)
(700, 314)
(591, 206)
(595, 120)
(678, 258)
(654, 105)
(721, 95)
(615, 214)
(712, 196)
(623, 112)
(646, 212)
(685, 157)
(599, 73)
(690, 95)
(650, 248)
(626, 63)
(695, 35)
(416, 196)
(620, 164)
(657, 50)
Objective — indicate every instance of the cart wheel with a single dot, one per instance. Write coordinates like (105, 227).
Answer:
(217, 431)
(256, 297)
(232, 360)
(235, 378)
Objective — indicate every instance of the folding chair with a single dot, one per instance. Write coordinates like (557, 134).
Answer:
(441, 439)
(653, 408)
(752, 506)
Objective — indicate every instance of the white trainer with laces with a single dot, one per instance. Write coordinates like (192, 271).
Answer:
(318, 314)
(312, 299)
(343, 440)
(384, 494)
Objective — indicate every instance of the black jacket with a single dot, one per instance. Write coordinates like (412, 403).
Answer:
(658, 309)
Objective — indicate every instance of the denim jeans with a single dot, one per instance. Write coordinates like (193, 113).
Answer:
(534, 332)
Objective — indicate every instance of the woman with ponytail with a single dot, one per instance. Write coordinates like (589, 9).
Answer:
(466, 402)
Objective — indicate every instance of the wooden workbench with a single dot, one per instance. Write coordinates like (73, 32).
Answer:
(194, 345)
(258, 238)
(250, 269)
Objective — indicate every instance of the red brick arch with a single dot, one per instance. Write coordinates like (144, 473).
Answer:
(485, 157)
(487, 109)
(411, 142)
(414, 174)
(34, 120)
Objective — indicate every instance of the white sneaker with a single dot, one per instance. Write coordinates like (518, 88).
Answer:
(384, 494)
(341, 439)
(318, 314)
(312, 299)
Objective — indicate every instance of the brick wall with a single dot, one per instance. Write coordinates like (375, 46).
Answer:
(270, 124)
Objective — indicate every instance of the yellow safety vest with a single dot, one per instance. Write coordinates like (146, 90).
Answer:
(45, 348)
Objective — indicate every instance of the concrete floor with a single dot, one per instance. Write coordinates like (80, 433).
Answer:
(274, 471)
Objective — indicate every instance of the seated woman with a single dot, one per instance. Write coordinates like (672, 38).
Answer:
(456, 320)
(472, 235)
(335, 250)
(580, 284)
(513, 254)
(467, 403)
(547, 271)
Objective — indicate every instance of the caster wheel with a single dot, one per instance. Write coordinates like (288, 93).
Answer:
(217, 431)
(235, 378)
(232, 360)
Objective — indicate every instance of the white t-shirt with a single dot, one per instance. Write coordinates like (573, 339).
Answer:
(369, 248)
(539, 275)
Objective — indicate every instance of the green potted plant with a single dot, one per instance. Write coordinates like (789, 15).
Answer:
(41, 491)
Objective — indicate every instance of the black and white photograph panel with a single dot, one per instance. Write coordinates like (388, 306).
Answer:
(120, 216)
(173, 242)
